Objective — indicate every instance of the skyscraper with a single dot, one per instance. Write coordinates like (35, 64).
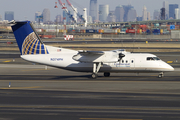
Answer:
(177, 13)
(163, 14)
(166, 6)
(172, 8)
(93, 10)
(103, 12)
(9, 15)
(111, 17)
(0, 18)
(156, 15)
(148, 16)
(66, 16)
(38, 16)
(126, 10)
(58, 19)
(132, 15)
(119, 13)
(46, 15)
(144, 16)
(89, 19)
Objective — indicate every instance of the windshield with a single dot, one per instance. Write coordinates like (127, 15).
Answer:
(152, 58)
(156, 58)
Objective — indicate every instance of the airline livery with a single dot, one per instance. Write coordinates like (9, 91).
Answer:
(34, 50)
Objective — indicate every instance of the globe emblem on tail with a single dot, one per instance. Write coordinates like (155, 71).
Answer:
(32, 46)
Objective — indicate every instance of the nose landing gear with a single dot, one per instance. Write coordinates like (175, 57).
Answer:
(161, 75)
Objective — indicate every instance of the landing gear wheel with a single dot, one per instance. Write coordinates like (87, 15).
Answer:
(106, 74)
(160, 75)
(94, 76)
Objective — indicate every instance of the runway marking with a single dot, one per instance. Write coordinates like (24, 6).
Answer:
(7, 61)
(97, 108)
(22, 87)
(169, 61)
(106, 119)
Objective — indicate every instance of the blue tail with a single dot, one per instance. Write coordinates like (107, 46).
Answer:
(27, 39)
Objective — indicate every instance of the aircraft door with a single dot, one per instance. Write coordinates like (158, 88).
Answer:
(132, 63)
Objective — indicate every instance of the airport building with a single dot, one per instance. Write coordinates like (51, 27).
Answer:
(94, 10)
(46, 15)
(9, 15)
(172, 8)
(103, 12)
(119, 13)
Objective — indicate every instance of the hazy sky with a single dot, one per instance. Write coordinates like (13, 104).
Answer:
(25, 9)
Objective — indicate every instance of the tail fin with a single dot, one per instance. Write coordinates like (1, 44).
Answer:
(27, 39)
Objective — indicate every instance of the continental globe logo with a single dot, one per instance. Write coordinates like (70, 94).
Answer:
(32, 45)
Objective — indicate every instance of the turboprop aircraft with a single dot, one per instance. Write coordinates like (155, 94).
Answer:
(34, 50)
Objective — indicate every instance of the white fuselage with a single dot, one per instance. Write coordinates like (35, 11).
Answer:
(132, 62)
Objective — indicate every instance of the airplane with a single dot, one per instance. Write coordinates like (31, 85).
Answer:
(34, 50)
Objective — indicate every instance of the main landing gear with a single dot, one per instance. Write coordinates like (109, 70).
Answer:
(161, 75)
(96, 68)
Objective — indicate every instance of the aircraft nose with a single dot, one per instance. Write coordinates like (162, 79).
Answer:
(168, 67)
(171, 68)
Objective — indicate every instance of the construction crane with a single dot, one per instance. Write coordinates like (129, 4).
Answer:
(55, 5)
(82, 17)
(67, 12)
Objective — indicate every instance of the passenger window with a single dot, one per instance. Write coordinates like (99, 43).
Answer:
(132, 61)
(126, 61)
(122, 61)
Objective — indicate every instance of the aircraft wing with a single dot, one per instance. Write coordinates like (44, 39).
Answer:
(91, 52)
(96, 56)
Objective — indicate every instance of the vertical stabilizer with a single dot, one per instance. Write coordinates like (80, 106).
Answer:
(27, 39)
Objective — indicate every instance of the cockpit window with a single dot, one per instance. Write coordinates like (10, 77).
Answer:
(156, 58)
(152, 58)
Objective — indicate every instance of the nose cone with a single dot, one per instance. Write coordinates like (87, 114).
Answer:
(167, 67)
(170, 68)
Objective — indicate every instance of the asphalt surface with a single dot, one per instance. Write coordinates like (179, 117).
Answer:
(32, 91)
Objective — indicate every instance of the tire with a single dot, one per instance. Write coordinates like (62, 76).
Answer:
(160, 75)
(106, 74)
(94, 76)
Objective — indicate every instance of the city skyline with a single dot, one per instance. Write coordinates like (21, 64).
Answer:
(27, 9)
